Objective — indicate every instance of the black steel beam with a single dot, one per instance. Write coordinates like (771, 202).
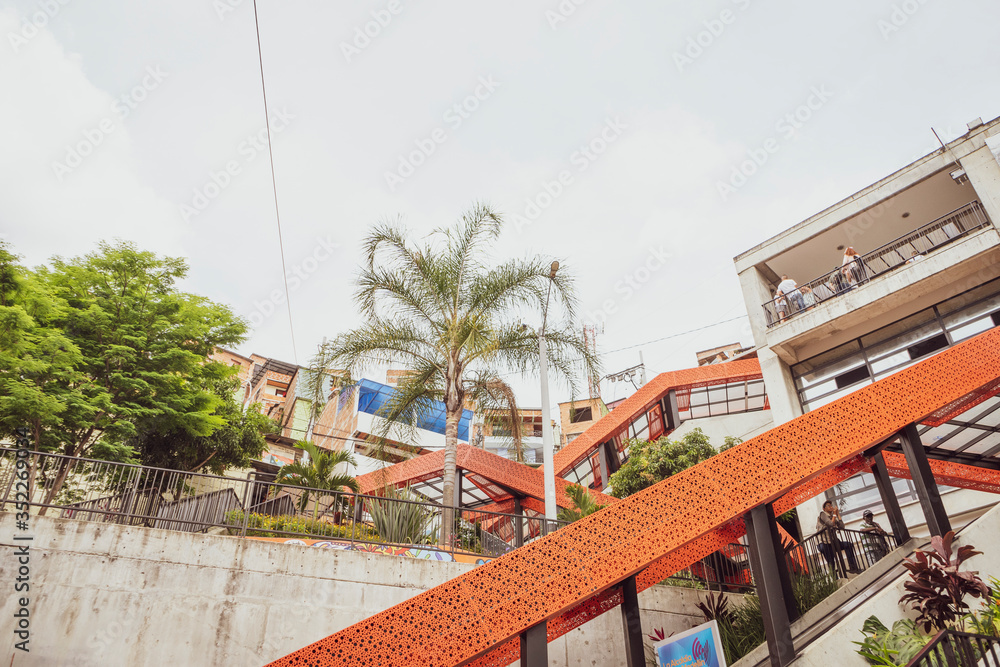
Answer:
(602, 455)
(923, 480)
(777, 604)
(889, 499)
(670, 411)
(518, 523)
(634, 652)
(535, 646)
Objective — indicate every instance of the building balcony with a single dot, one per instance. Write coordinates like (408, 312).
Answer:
(924, 243)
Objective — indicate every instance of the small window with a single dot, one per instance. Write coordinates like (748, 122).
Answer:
(996, 318)
(581, 415)
(852, 377)
(925, 347)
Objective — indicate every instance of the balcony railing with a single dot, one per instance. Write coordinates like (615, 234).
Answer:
(136, 495)
(951, 648)
(909, 248)
(839, 553)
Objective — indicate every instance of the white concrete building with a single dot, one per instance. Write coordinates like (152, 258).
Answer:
(926, 276)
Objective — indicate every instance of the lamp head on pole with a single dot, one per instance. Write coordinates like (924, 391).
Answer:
(553, 269)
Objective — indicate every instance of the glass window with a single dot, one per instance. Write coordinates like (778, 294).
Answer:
(852, 376)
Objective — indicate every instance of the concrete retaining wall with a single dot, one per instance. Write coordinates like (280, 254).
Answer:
(112, 595)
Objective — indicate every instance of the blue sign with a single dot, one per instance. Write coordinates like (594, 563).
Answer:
(697, 647)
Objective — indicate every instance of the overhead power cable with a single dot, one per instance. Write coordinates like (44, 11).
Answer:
(676, 335)
(274, 184)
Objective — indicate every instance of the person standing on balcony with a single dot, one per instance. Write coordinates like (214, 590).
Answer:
(790, 289)
(876, 546)
(780, 305)
(827, 525)
(808, 298)
(852, 268)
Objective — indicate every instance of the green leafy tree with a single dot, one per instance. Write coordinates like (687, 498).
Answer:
(235, 444)
(583, 504)
(319, 473)
(653, 461)
(96, 345)
(37, 361)
(439, 308)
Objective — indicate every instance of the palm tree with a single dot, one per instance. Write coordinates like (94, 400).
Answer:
(319, 473)
(584, 504)
(455, 322)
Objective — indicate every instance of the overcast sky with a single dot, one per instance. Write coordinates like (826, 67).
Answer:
(621, 122)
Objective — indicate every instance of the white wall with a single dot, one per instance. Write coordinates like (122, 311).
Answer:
(111, 595)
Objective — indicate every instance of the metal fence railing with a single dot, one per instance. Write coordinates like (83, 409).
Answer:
(92, 490)
(951, 648)
(908, 248)
(840, 552)
(727, 569)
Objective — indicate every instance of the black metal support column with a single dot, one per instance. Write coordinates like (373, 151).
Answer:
(889, 499)
(670, 411)
(459, 476)
(774, 587)
(518, 523)
(634, 653)
(602, 454)
(923, 480)
(535, 646)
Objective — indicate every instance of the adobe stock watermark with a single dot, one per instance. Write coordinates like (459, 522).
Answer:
(629, 284)
(248, 149)
(364, 34)
(94, 136)
(453, 118)
(581, 158)
(33, 24)
(703, 40)
(562, 12)
(786, 127)
(899, 16)
(298, 274)
(225, 7)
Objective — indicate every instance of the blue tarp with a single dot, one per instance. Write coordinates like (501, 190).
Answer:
(373, 395)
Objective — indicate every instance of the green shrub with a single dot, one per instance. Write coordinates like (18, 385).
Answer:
(290, 525)
(896, 646)
(810, 590)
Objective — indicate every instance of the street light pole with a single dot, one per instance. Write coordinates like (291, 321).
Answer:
(548, 447)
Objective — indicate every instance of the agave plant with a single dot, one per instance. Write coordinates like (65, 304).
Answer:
(398, 521)
(937, 588)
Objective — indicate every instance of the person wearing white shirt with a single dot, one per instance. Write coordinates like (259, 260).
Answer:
(790, 289)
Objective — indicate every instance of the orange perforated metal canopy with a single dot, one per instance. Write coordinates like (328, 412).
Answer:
(571, 575)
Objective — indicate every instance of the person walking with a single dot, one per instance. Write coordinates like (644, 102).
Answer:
(827, 525)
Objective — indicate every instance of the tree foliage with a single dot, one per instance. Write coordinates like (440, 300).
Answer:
(100, 352)
(583, 504)
(237, 442)
(319, 473)
(440, 308)
(653, 461)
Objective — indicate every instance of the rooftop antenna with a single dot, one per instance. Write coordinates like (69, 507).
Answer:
(959, 174)
(590, 342)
